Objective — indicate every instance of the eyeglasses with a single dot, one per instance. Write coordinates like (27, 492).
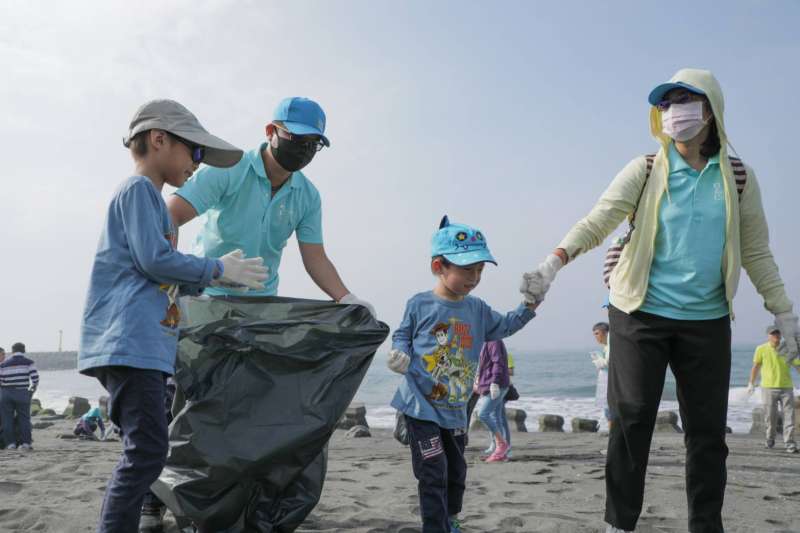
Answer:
(308, 142)
(681, 98)
(198, 152)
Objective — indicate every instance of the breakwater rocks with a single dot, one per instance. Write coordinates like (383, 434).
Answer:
(54, 360)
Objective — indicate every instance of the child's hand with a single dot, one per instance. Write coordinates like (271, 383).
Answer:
(534, 305)
(398, 361)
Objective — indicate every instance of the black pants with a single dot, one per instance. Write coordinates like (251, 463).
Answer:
(136, 406)
(437, 455)
(699, 354)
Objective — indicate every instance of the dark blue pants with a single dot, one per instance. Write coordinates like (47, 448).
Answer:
(152, 505)
(136, 406)
(16, 402)
(437, 455)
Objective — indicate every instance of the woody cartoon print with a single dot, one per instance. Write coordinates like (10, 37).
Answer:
(447, 365)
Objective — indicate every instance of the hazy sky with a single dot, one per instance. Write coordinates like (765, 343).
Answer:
(510, 116)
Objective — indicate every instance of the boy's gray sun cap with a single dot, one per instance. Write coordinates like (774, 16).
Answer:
(170, 116)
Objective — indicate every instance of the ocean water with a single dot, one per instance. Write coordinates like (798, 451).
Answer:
(549, 382)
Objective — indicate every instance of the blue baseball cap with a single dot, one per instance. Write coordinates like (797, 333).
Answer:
(460, 244)
(302, 116)
(657, 94)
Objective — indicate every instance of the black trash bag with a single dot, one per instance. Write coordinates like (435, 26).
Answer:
(265, 381)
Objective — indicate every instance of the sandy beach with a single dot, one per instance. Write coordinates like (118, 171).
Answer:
(554, 483)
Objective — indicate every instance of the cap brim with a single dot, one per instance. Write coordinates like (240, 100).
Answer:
(657, 94)
(298, 128)
(219, 153)
(470, 258)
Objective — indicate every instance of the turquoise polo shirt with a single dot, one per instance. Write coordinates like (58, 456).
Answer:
(239, 211)
(686, 278)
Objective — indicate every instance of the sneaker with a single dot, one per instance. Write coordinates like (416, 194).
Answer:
(791, 448)
(490, 449)
(151, 524)
(26, 447)
(769, 444)
(455, 525)
(152, 519)
(11, 447)
(612, 529)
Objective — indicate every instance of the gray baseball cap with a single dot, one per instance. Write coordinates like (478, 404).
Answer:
(170, 116)
(772, 328)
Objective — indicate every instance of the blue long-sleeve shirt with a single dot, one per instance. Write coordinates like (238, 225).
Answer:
(131, 315)
(443, 339)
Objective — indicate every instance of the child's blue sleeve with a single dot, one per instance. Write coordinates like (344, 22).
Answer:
(499, 326)
(151, 252)
(403, 340)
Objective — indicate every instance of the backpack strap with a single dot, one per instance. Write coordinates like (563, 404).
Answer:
(649, 158)
(739, 174)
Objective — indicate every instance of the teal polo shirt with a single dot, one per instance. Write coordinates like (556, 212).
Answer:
(239, 211)
(686, 278)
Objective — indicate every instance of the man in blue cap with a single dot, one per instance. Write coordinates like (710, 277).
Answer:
(257, 204)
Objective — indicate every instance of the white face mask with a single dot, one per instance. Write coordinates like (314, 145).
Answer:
(683, 122)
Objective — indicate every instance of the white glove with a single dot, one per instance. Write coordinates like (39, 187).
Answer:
(535, 284)
(494, 391)
(750, 389)
(238, 272)
(398, 361)
(352, 299)
(790, 331)
(599, 362)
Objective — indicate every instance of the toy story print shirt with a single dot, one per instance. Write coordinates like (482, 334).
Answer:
(443, 339)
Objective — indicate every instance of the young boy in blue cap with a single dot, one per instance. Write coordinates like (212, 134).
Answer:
(129, 331)
(436, 347)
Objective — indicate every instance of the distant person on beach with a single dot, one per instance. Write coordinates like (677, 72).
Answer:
(89, 423)
(436, 348)
(129, 331)
(777, 389)
(258, 203)
(698, 220)
(493, 382)
(18, 382)
(600, 360)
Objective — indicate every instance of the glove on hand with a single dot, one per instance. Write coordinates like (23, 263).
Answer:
(750, 389)
(494, 391)
(398, 361)
(600, 363)
(790, 331)
(352, 299)
(535, 284)
(240, 272)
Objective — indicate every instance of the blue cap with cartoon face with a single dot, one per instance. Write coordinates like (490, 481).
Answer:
(460, 244)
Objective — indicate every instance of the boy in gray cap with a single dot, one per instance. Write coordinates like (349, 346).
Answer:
(129, 330)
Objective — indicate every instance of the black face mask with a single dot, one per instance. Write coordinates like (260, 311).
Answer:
(292, 155)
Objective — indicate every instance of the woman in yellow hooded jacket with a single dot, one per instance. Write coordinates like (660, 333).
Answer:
(697, 220)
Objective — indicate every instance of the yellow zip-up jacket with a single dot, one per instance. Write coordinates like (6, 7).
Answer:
(746, 232)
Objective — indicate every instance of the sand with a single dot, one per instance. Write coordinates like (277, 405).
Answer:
(554, 483)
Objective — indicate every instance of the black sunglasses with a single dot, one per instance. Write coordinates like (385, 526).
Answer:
(198, 152)
(683, 98)
(308, 142)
